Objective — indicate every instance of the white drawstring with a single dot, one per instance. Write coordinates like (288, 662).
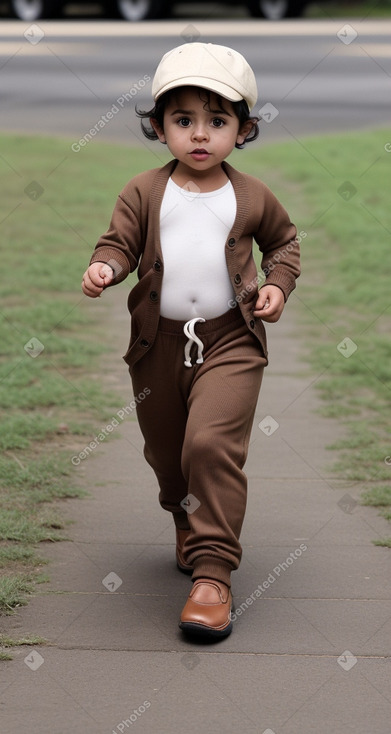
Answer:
(192, 339)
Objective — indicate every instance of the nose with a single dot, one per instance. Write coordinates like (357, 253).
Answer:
(200, 132)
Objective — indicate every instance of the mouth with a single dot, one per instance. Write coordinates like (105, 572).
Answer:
(199, 154)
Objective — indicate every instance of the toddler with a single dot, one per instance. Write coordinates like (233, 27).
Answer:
(197, 336)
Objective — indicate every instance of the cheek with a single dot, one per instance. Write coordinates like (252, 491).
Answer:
(231, 137)
(177, 134)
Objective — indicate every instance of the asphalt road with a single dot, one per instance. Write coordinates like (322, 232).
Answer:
(63, 78)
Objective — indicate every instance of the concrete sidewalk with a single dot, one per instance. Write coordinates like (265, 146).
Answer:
(310, 651)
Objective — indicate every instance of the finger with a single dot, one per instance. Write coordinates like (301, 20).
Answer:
(96, 277)
(107, 278)
(88, 282)
(89, 287)
(95, 280)
(91, 293)
(261, 308)
(106, 272)
(267, 306)
(267, 317)
(262, 299)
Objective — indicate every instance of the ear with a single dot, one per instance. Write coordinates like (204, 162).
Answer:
(158, 129)
(244, 131)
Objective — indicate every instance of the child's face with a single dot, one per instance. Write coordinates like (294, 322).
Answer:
(198, 134)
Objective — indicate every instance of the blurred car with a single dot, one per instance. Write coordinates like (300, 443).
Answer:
(136, 10)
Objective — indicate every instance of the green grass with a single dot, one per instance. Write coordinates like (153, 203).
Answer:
(14, 591)
(345, 288)
(55, 398)
(7, 642)
(17, 553)
(380, 496)
(371, 9)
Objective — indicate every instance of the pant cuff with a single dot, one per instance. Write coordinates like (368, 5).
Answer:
(212, 568)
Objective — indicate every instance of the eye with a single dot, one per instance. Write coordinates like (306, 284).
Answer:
(218, 122)
(183, 122)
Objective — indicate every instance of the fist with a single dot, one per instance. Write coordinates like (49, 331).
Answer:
(96, 278)
(270, 303)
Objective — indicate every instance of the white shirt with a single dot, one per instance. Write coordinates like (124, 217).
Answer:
(193, 231)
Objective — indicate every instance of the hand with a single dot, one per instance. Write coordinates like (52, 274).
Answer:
(270, 303)
(97, 277)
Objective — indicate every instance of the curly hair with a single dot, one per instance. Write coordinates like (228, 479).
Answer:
(157, 113)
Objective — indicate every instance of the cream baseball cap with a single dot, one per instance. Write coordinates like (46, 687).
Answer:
(217, 68)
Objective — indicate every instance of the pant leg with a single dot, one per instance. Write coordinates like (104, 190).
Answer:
(221, 407)
(196, 423)
(162, 418)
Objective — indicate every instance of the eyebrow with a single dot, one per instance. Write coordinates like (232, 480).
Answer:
(183, 112)
(192, 112)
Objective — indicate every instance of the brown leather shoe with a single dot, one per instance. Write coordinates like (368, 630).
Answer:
(207, 612)
(181, 536)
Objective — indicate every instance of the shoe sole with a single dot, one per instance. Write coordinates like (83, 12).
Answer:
(202, 632)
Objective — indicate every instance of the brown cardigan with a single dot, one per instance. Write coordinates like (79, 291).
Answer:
(133, 240)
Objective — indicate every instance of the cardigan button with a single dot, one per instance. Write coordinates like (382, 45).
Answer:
(144, 343)
(252, 323)
(237, 279)
(153, 296)
(157, 266)
(231, 242)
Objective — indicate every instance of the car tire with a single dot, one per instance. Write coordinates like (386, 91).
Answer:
(30, 10)
(276, 9)
(136, 10)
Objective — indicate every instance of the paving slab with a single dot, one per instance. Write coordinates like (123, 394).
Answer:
(98, 691)
(310, 653)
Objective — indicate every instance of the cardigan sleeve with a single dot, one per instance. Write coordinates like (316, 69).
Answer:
(122, 245)
(277, 240)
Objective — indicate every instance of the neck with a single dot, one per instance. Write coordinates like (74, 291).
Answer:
(210, 180)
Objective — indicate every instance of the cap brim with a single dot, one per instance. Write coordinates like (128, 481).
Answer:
(211, 84)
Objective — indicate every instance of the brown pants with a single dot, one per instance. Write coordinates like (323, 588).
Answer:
(196, 423)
